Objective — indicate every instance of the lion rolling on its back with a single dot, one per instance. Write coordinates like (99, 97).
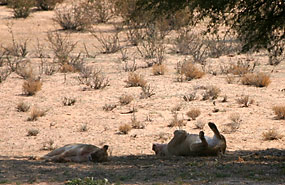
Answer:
(78, 153)
(185, 144)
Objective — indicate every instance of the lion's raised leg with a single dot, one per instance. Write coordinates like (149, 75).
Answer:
(199, 147)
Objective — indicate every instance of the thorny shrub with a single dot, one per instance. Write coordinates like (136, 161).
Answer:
(21, 8)
(93, 78)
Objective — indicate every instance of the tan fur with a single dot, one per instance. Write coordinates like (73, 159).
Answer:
(78, 153)
(185, 144)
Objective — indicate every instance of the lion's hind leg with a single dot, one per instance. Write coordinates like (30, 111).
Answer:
(200, 147)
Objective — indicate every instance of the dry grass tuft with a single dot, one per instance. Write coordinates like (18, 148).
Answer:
(135, 123)
(193, 113)
(36, 113)
(158, 69)
(31, 87)
(33, 132)
(68, 101)
(135, 80)
(126, 99)
(191, 72)
(176, 122)
(279, 111)
(124, 129)
(109, 107)
(245, 101)
(22, 107)
(211, 92)
(271, 134)
(258, 79)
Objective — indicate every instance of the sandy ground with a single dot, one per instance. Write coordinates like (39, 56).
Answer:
(61, 124)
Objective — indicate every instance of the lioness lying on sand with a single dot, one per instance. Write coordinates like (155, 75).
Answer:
(185, 144)
(78, 153)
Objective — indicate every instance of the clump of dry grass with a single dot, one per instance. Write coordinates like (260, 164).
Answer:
(234, 124)
(126, 99)
(22, 107)
(256, 79)
(68, 101)
(147, 92)
(48, 145)
(211, 92)
(31, 86)
(271, 134)
(93, 78)
(135, 123)
(158, 69)
(176, 122)
(109, 107)
(190, 97)
(245, 101)
(190, 71)
(124, 129)
(193, 113)
(135, 80)
(36, 113)
(279, 111)
(33, 132)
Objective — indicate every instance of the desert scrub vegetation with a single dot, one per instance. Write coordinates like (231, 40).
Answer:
(212, 92)
(124, 129)
(189, 43)
(199, 124)
(47, 4)
(147, 91)
(67, 101)
(33, 132)
(126, 99)
(109, 107)
(21, 8)
(193, 113)
(279, 112)
(189, 70)
(135, 123)
(234, 125)
(245, 101)
(271, 134)
(135, 80)
(109, 43)
(31, 86)
(83, 128)
(256, 79)
(93, 78)
(159, 69)
(36, 113)
(22, 107)
(4, 73)
(190, 97)
(73, 16)
(176, 122)
(62, 48)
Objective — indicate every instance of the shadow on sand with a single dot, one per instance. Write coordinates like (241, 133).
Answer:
(254, 167)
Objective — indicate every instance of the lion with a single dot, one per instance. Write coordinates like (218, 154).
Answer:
(185, 144)
(78, 153)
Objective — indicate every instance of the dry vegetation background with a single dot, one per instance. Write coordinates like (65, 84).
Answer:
(129, 87)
